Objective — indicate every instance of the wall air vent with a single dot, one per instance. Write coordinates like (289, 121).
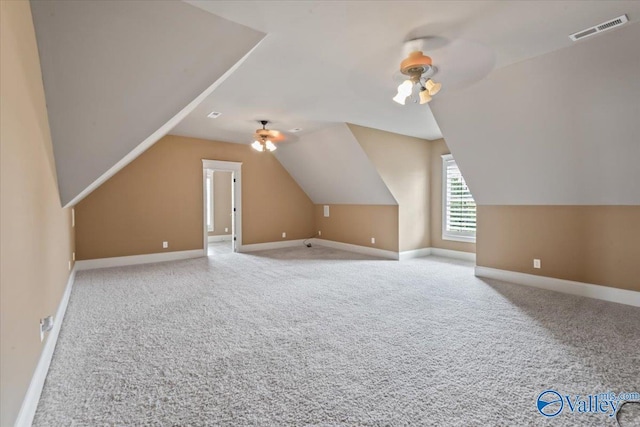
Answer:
(612, 23)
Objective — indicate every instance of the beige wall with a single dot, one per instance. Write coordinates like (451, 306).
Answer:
(357, 224)
(590, 244)
(158, 197)
(36, 238)
(412, 170)
(403, 165)
(221, 203)
(438, 148)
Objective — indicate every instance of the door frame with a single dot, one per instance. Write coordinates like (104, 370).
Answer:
(236, 200)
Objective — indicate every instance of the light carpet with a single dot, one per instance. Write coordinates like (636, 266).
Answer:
(321, 337)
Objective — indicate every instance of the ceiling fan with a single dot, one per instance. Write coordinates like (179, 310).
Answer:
(265, 138)
(417, 69)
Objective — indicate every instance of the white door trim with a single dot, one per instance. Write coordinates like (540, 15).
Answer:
(236, 177)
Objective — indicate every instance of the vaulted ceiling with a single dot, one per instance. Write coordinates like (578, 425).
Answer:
(552, 130)
(119, 75)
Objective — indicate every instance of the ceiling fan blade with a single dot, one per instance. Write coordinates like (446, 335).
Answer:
(276, 136)
(272, 135)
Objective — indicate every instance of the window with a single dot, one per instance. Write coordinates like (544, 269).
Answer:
(209, 201)
(458, 206)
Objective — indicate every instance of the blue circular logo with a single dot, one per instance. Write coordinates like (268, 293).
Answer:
(550, 403)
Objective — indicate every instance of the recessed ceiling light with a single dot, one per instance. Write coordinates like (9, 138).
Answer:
(214, 115)
(294, 130)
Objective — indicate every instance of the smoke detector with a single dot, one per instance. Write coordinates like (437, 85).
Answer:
(605, 26)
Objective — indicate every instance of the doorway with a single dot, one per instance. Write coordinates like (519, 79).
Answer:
(221, 203)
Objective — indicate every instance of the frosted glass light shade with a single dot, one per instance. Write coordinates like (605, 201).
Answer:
(404, 90)
(270, 146)
(400, 98)
(424, 96)
(405, 87)
(433, 87)
(257, 146)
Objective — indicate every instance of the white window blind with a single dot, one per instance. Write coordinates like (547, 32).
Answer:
(458, 206)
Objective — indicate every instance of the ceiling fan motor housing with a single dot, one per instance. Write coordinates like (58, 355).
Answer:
(416, 64)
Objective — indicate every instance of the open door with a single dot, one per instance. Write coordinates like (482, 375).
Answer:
(208, 167)
(233, 214)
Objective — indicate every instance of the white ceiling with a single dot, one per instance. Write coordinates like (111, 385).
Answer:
(117, 73)
(560, 129)
(332, 168)
(327, 62)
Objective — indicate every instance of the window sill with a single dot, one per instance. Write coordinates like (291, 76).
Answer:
(466, 239)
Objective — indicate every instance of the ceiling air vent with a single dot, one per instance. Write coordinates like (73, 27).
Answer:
(612, 23)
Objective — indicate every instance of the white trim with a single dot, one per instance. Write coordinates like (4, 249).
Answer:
(119, 261)
(32, 397)
(271, 245)
(220, 238)
(448, 253)
(606, 293)
(236, 199)
(446, 235)
(162, 131)
(210, 195)
(220, 165)
(365, 250)
(416, 253)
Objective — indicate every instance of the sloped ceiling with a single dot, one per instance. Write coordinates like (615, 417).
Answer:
(332, 168)
(563, 128)
(327, 62)
(119, 74)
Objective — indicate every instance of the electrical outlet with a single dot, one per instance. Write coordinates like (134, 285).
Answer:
(536, 263)
(373, 240)
(165, 245)
(69, 265)
(284, 234)
(73, 256)
(46, 324)
(226, 229)
(319, 233)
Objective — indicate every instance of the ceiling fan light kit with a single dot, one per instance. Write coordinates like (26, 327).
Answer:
(419, 68)
(257, 146)
(263, 141)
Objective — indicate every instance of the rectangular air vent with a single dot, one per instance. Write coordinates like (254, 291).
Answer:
(613, 23)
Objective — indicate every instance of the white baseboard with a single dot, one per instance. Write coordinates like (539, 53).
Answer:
(271, 245)
(120, 261)
(220, 238)
(32, 397)
(416, 253)
(448, 253)
(621, 296)
(365, 250)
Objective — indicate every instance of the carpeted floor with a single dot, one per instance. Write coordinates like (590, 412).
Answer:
(315, 336)
(219, 248)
